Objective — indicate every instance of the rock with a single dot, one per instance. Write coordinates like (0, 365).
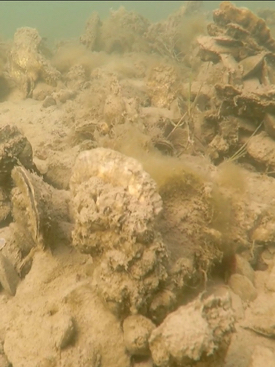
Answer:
(270, 283)
(114, 109)
(237, 306)
(261, 278)
(262, 356)
(243, 267)
(64, 95)
(64, 331)
(260, 316)
(143, 363)
(92, 28)
(45, 321)
(201, 328)
(164, 301)
(9, 278)
(41, 91)
(269, 124)
(4, 362)
(48, 101)
(130, 34)
(163, 82)
(137, 330)
(59, 168)
(42, 165)
(243, 287)
(261, 147)
(5, 206)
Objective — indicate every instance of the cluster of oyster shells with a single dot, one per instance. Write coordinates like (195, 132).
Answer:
(241, 53)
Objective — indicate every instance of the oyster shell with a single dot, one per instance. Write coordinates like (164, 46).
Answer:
(14, 148)
(269, 124)
(228, 41)
(40, 213)
(252, 64)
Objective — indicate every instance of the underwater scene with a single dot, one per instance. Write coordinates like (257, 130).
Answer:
(137, 184)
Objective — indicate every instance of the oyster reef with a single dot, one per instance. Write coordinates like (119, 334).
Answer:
(137, 180)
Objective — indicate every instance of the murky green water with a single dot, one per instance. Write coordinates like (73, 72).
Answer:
(66, 19)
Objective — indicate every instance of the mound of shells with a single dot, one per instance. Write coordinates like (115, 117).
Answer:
(240, 55)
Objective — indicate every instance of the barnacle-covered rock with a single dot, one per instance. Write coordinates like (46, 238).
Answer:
(197, 334)
(27, 63)
(115, 206)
